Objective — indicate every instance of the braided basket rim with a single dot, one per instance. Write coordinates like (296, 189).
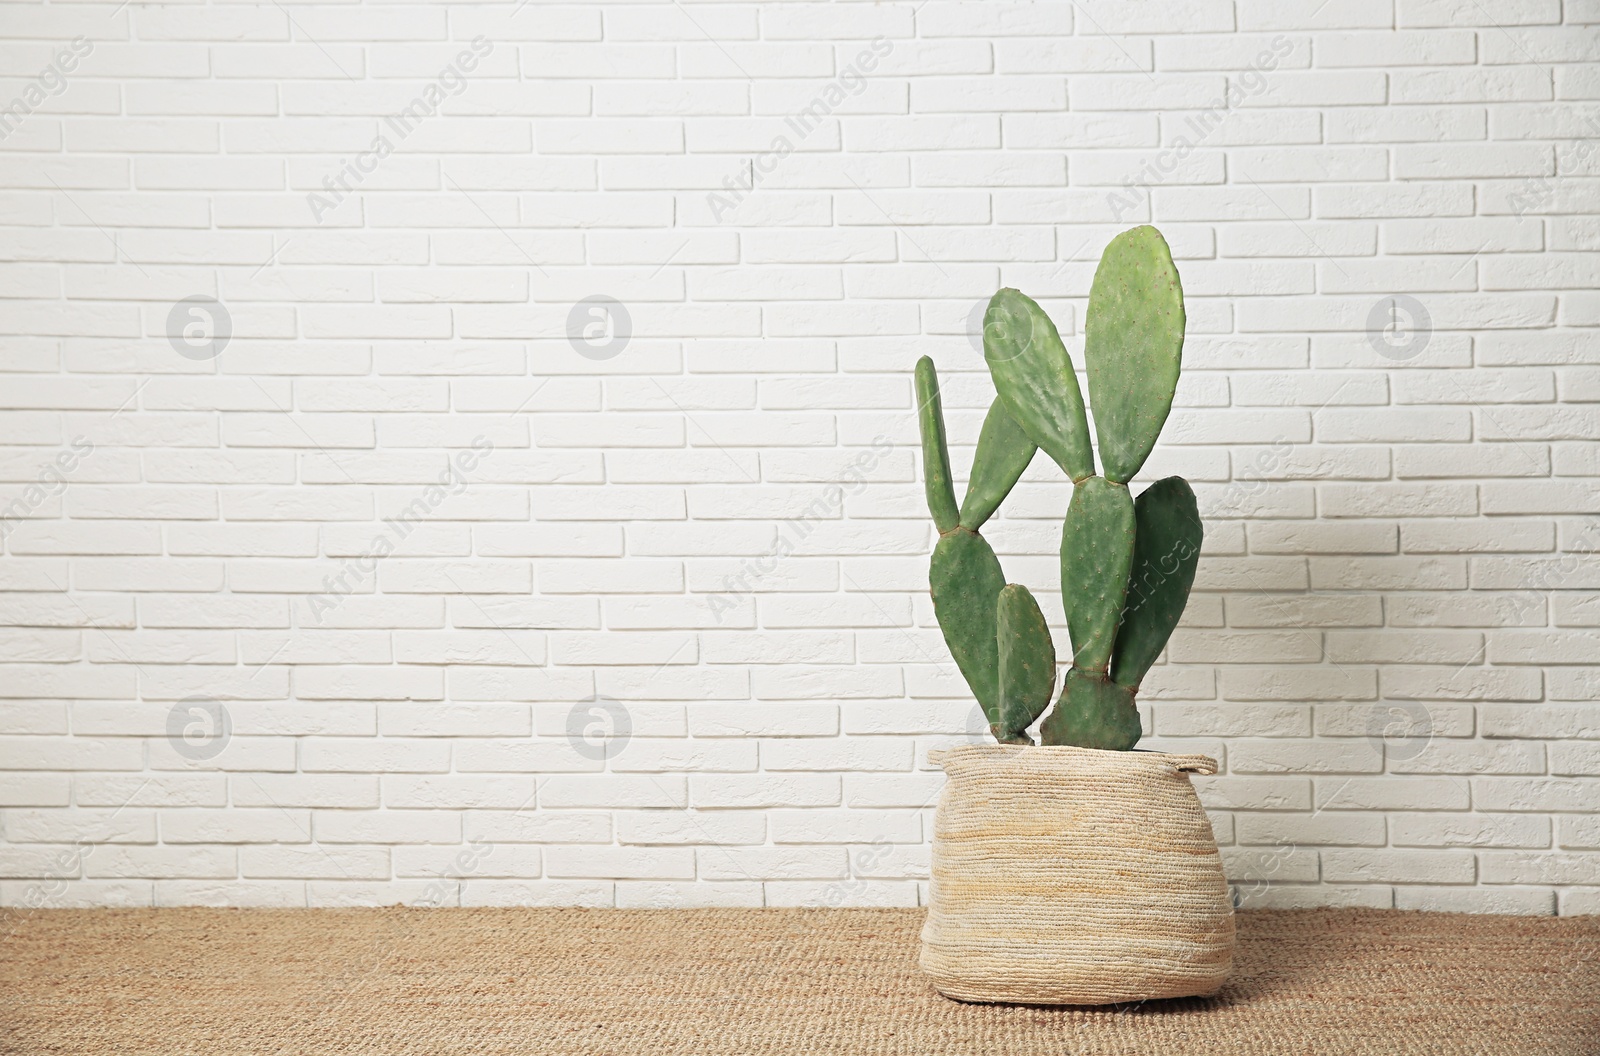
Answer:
(964, 758)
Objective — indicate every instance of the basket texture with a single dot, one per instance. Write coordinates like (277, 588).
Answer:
(1072, 876)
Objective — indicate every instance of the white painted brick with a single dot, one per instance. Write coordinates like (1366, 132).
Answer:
(304, 790)
(1254, 793)
(464, 791)
(236, 825)
(1422, 539)
(1398, 866)
(1289, 756)
(632, 863)
(1468, 830)
(162, 862)
(1284, 863)
(1324, 829)
(1530, 901)
(531, 826)
(1530, 794)
(669, 894)
(776, 790)
(1187, 720)
(592, 894)
(90, 826)
(1396, 646)
(1476, 536)
(1574, 759)
(1581, 832)
(1258, 895)
(1466, 757)
(1532, 867)
(1392, 793)
(315, 862)
(347, 893)
(1465, 682)
(614, 791)
(855, 891)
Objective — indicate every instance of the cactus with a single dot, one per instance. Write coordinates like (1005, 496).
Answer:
(935, 454)
(965, 580)
(1133, 344)
(1096, 555)
(1127, 564)
(1004, 451)
(1027, 663)
(1166, 550)
(1033, 375)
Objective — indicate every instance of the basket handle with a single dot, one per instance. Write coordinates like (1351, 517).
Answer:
(1194, 764)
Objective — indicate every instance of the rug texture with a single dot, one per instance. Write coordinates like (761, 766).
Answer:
(540, 982)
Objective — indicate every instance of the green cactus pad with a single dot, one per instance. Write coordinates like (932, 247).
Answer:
(1033, 374)
(1096, 553)
(1093, 712)
(966, 581)
(1027, 663)
(1165, 553)
(1133, 345)
(1004, 451)
(936, 480)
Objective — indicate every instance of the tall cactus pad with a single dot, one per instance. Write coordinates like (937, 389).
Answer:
(1033, 374)
(1096, 554)
(1165, 554)
(1093, 712)
(1004, 451)
(966, 581)
(1133, 344)
(1027, 663)
(935, 453)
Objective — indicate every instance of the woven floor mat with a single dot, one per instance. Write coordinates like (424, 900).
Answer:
(541, 982)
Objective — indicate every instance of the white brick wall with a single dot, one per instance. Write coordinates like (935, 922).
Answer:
(388, 548)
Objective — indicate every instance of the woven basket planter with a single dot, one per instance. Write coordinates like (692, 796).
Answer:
(1070, 876)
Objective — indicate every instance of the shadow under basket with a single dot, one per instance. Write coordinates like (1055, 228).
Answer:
(1072, 876)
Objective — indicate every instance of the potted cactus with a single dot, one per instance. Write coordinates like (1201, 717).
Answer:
(1078, 871)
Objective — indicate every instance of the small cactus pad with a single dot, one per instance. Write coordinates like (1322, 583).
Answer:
(1004, 451)
(1033, 374)
(1096, 553)
(966, 581)
(1165, 553)
(1027, 663)
(1133, 345)
(1093, 712)
(935, 454)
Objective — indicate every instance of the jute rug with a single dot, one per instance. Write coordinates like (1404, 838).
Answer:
(704, 982)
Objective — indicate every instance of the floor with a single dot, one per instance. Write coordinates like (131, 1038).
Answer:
(708, 982)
